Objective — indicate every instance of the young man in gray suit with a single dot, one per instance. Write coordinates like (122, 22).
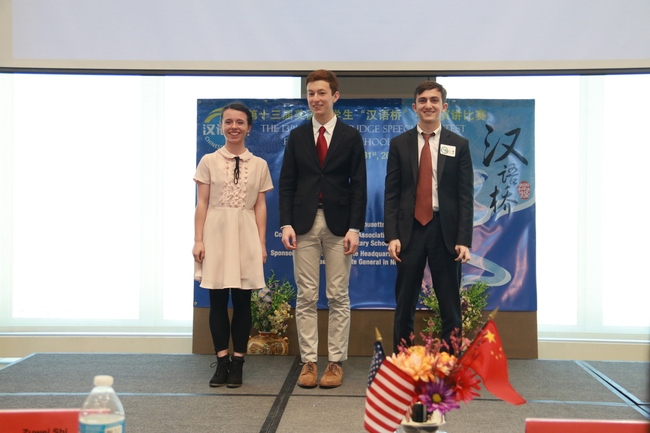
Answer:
(430, 219)
(322, 210)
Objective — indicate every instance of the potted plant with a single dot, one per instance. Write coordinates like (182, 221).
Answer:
(473, 300)
(270, 311)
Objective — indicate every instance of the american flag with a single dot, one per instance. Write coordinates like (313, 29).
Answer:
(377, 358)
(390, 393)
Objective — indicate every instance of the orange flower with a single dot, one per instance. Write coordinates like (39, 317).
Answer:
(444, 363)
(416, 362)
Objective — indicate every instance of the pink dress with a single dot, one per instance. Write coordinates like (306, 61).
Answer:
(233, 253)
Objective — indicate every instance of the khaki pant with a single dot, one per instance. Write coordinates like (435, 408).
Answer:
(306, 261)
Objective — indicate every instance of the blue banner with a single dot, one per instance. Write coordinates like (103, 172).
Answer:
(501, 134)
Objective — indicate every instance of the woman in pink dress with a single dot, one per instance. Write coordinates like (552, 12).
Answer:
(230, 238)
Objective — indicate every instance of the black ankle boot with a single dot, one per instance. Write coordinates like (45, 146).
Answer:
(221, 375)
(235, 372)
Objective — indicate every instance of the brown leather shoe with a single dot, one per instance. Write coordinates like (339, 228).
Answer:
(333, 376)
(308, 376)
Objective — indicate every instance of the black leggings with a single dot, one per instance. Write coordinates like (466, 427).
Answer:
(220, 326)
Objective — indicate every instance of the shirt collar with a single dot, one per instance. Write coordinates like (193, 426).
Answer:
(436, 132)
(329, 126)
(244, 156)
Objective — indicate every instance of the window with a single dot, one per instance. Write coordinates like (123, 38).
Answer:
(591, 151)
(98, 199)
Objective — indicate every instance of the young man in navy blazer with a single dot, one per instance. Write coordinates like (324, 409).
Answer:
(322, 210)
(445, 236)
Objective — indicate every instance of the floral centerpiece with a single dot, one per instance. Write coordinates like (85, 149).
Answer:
(473, 300)
(428, 378)
(270, 306)
(441, 383)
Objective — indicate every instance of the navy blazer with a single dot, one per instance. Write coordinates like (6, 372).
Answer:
(455, 189)
(342, 180)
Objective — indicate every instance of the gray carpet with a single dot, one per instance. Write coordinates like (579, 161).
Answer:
(170, 393)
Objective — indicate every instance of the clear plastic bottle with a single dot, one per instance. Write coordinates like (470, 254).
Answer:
(102, 412)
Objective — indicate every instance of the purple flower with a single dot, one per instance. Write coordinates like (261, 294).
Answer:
(265, 294)
(438, 396)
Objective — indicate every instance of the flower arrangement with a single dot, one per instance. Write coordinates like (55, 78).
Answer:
(473, 300)
(419, 384)
(441, 382)
(270, 306)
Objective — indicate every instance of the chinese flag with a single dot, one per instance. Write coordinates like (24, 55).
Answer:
(485, 356)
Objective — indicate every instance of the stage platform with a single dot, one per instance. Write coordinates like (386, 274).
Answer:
(170, 393)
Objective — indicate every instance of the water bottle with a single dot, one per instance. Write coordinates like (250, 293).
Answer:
(102, 412)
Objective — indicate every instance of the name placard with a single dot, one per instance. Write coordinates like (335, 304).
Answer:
(39, 420)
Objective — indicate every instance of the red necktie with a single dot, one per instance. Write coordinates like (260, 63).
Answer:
(321, 145)
(424, 191)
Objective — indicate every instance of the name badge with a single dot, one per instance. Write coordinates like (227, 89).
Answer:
(447, 150)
